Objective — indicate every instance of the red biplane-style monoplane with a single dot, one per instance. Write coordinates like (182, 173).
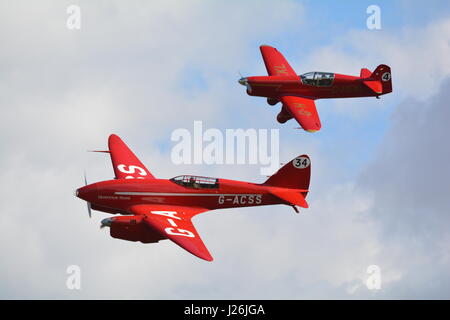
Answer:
(157, 209)
(298, 92)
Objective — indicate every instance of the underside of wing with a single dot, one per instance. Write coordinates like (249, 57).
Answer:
(276, 64)
(174, 223)
(304, 111)
(125, 163)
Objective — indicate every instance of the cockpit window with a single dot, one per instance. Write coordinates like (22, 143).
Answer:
(196, 182)
(318, 79)
(308, 78)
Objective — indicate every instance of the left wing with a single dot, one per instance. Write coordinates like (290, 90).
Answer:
(304, 111)
(276, 64)
(174, 223)
(125, 163)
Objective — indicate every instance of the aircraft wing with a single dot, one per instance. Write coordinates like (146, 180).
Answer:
(304, 111)
(276, 64)
(126, 165)
(174, 223)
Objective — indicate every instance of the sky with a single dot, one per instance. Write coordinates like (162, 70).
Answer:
(380, 178)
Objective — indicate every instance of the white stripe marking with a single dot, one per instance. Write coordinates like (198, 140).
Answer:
(184, 194)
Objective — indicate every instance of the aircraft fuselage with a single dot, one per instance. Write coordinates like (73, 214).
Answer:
(343, 86)
(116, 196)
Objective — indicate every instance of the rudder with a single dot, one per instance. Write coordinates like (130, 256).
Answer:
(295, 174)
(383, 74)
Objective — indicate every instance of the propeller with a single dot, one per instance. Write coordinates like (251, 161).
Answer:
(243, 81)
(106, 223)
(88, 203)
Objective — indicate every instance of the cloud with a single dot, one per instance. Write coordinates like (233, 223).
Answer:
(417, 55)
(128, 71)
(410, 183)
(63, 92)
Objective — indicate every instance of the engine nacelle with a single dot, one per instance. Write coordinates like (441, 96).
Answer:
(283, 116)
(131, 228)
(272, 101)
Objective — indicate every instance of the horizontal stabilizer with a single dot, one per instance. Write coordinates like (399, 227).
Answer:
(375, 85)
(291, 196)
(365, 73)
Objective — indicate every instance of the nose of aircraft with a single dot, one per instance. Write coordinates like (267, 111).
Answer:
(243, 81)
(84, 192)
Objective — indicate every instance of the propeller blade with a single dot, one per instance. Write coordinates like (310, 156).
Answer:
(89, 209)
(88, 203)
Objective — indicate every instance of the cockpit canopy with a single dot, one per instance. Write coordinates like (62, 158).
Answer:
(196, 182)
(318, 79)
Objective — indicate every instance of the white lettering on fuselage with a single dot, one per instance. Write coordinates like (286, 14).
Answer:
(239, 199)
(113, 197)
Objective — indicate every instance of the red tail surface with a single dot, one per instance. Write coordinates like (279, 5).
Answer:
(293, 175)
(383, 74)
(365, 73)
(291, 182)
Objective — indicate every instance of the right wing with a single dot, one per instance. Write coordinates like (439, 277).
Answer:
(125, 164)
(304, 111)
(276, 64)
(174, 223)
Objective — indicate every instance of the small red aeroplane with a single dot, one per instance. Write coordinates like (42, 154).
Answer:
(298, 92)
(157, 209)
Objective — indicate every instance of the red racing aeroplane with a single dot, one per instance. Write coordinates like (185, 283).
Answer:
(297, 93)
(157, 209)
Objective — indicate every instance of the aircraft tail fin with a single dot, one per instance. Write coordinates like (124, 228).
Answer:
(382, 74)
(293, 175)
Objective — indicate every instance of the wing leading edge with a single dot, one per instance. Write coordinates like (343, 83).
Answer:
(304, 111)
(175, 223)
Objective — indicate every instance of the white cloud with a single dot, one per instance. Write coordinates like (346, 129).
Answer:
(63, 92)
(410, 183)
(417, 55)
